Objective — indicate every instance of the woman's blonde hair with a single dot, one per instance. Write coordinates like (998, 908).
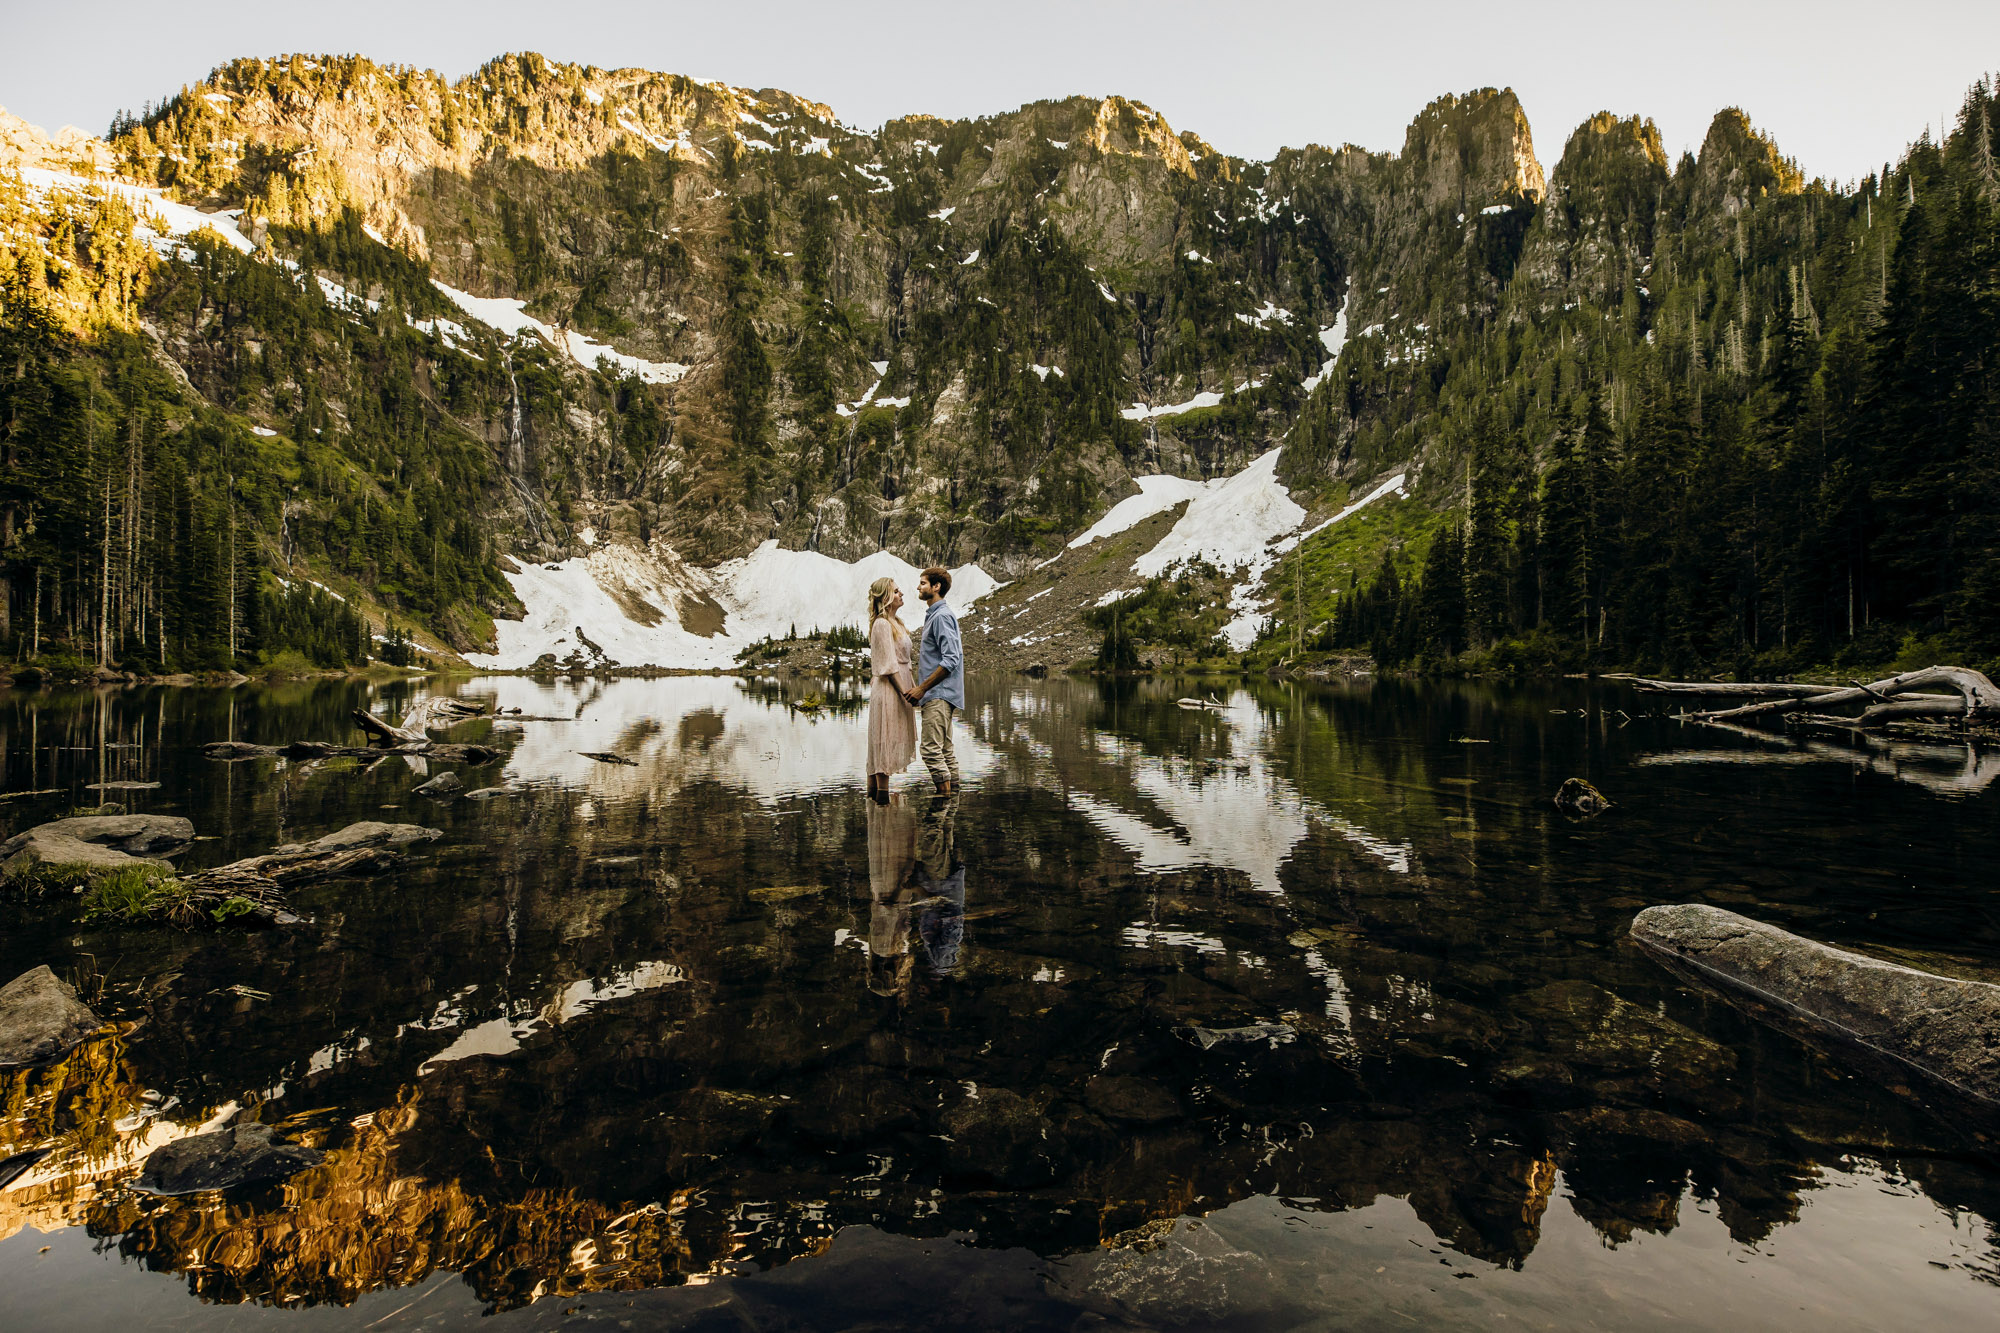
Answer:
(878, 600)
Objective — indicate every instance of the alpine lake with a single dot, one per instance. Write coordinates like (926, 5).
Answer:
(1309, 1010)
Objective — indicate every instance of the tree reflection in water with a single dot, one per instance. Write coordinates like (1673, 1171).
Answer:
(584, 1045)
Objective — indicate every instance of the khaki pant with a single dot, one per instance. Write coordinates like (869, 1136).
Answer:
(936, 749)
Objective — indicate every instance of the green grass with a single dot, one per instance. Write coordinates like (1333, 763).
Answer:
(49, 877)
(137, 893)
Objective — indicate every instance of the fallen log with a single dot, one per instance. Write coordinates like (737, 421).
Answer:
(1945, 1028)
(229, 891)
(449, 752)
(1978, 694)
(305, 867)
(1726, 689)
(1902, 709)
(381, 733)
(434, 713)
(366, 848)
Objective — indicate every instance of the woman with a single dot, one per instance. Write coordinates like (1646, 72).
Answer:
(892, 887)
(892, 722)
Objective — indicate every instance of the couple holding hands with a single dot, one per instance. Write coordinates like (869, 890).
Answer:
(936, 687)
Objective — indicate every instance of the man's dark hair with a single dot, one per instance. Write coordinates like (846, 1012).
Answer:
(939, 576)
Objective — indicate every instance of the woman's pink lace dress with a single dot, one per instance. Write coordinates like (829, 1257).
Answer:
(892, 722)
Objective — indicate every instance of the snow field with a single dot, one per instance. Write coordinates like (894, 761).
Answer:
(162, 221)
(1157, 493)
(768, 593)
(508, 316)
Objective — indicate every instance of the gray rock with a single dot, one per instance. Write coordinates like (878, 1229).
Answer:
(41, 1018)
(442, 787)
(1946, 1028)
(1274, 1033)
(98, 842)
(488, 793)
(135, 835)
(222, 1159)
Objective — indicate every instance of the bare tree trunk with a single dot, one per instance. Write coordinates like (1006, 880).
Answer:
(232, 571)
(104, 583)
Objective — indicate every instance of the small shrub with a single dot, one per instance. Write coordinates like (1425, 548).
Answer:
(230, 907)
(61, 666)
(288, 663)
(1917, 652)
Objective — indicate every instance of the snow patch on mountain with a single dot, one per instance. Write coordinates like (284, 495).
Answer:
(631, 607)
(1230, 523)
(1157, 493)
(508, 316)
(1141, 412)
(162, 221)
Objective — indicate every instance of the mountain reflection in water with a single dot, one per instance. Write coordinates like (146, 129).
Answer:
(1185, 1006)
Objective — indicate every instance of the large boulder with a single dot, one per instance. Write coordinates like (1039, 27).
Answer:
(1944, 1027)
(222, 1159)
(95, 844)
(41, 1018)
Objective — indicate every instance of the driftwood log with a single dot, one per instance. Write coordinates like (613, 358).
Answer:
(434, 713)
(303, 867)
(1904, 697)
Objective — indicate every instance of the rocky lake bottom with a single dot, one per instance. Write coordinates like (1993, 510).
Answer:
(1308, 1009)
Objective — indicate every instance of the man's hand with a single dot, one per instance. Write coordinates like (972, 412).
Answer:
(914, 696)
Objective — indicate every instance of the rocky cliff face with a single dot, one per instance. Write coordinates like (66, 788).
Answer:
(640, 309)
(928, 339)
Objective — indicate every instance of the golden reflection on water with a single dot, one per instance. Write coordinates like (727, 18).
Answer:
(631, 1027)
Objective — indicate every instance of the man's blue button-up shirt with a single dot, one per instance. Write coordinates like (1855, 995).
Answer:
(941, 647)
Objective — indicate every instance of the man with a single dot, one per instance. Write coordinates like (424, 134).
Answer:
(940, 688)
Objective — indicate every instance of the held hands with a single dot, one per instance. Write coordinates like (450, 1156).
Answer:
(914, 696)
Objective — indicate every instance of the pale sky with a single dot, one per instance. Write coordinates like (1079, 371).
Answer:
(1840, 86)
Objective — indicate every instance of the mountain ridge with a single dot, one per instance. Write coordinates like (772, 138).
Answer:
(958, 340)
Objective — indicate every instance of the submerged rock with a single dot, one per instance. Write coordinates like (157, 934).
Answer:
(95, 843)
(1586, 1028)
(1945, 1028)
(222, 1159)
(367, 833)
(41, 1018)
(1137, 1099)
(443, 786)
(237, 750)
(1207, 1037)
(1578, 799)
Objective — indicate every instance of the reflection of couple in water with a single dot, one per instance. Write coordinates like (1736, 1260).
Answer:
(936, 689)
(909, 889)
(912, 887)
